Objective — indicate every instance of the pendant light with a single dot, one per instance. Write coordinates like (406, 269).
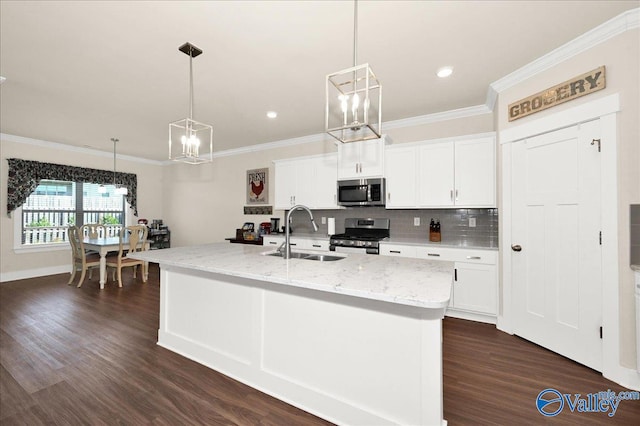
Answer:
(119, 190)
(353, 107)
(190, 141)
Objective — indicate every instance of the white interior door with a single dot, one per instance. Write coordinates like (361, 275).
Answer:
(557, 282)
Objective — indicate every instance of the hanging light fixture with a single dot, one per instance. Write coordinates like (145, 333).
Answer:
(120, 190)
(190, 141)
(353, 107)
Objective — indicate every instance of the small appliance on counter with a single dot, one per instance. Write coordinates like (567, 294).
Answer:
(264, 229)
(275, 225)
(159, 234)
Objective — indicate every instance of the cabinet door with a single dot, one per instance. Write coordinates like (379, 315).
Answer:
(435, 179)
(305, 182)
(475, 173)
(285, 184)
(475, 288)
(372, 158)
(401, 173)
(326, 182)
(349, 160)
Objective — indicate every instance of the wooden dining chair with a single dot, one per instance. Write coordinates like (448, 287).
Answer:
(136, 236)
(94, 230)
(80, 260)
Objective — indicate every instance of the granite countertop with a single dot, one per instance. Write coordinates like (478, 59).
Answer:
(421, 283)
(635, 268)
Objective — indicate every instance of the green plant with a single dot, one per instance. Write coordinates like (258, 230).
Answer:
(71, 221)
(43, 221)
(110, 220)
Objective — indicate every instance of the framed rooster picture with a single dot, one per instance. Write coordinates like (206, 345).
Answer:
(258, 186)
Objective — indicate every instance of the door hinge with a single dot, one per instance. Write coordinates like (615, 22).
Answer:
(455, 274)
(601, 332)
(594, 141)
(600, 237)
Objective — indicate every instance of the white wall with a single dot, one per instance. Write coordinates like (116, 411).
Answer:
(23, 265)
(621, 57)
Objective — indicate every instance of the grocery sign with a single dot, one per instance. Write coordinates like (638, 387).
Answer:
(569, 90)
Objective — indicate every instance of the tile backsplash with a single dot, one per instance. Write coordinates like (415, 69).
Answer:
(634, 215)
(454, 223)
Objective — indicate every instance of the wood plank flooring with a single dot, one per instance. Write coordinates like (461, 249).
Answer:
(73, 356)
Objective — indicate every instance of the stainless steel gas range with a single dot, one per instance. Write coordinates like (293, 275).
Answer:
(362, 235)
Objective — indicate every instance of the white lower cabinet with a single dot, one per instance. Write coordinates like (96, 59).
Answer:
(300, 243)
(474, 292)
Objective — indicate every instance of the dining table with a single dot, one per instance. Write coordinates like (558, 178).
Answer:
(104, 245)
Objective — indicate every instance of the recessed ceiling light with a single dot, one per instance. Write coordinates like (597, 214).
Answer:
(2, 79)
(445, 72)
(272, 114)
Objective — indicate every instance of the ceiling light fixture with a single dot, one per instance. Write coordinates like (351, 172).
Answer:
(272, 114)
(353, 107)
(188, 139)
(120, 190)
(444, 72)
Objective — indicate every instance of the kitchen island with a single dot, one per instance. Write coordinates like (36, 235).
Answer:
(355, 341)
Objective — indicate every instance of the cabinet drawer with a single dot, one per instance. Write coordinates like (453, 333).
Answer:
(488, 257)
(322, 245)
(272, 241)
(397, 250)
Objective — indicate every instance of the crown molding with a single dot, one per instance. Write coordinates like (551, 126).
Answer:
(626, 21)
(79, 149)
(436, 117)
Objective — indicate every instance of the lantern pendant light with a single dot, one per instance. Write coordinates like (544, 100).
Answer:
(190, 141)
(353, 107)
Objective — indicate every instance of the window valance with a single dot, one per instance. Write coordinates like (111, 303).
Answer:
(25, 175)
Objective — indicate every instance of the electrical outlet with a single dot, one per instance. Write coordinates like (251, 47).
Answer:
(472, 222)
(416, 221)
(323, 220)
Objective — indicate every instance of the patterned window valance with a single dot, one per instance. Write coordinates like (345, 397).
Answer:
(25, 175)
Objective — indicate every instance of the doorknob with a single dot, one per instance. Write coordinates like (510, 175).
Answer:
(516, 247)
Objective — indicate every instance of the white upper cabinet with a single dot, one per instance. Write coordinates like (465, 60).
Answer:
(401, 170)
(361, 159)
(310, 181)
(442, 174)
(475, 173)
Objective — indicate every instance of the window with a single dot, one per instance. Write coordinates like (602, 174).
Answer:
(55, 205)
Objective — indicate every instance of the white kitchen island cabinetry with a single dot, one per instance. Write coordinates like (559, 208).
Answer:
(297, 242)
(355, 341)
(450, 173)
(310, 181)
(358, 160)
(475, 285)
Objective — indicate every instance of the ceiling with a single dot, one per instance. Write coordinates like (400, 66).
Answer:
(80, 73)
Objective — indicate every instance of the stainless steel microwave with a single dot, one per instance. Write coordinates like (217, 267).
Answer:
(361, 192)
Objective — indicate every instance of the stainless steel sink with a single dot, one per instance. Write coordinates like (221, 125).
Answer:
(323, 257)
(308, 256)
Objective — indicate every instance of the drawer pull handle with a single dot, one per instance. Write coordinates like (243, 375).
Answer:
(433, 254)
(395, 251)
(317, 245)
(273, 242)
(474, 257)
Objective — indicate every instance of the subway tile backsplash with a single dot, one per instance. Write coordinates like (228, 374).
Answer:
(454, 223)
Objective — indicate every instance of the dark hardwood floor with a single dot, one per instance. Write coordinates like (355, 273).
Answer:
(73, 356)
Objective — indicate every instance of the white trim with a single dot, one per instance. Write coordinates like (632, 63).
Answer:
(443, 140)
(606, 109)
(64, 147)
(585, 112)
(626, 21)
(33, 273)
(437, 117)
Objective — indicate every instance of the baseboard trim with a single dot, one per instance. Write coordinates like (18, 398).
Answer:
(33, 273)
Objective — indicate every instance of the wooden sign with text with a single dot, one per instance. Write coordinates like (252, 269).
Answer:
(569, 90)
